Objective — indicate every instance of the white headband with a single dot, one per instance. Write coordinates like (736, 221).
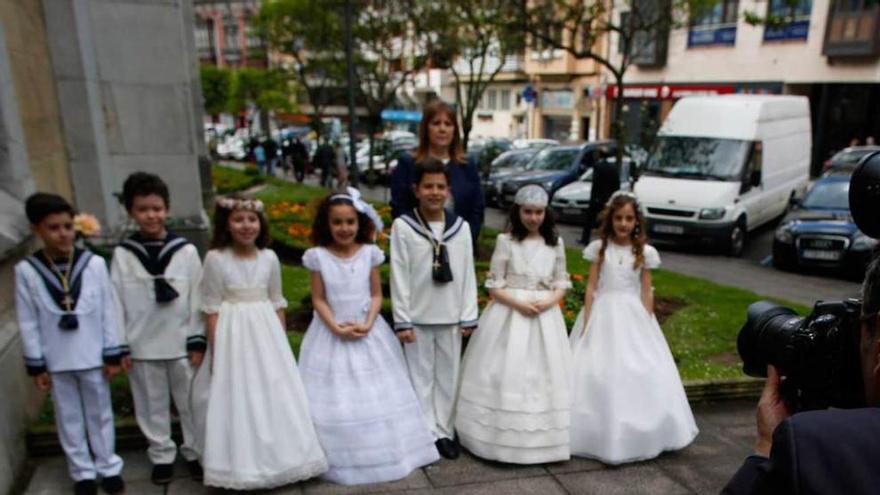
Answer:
(240, 204)
(361, 206)
(532, 194)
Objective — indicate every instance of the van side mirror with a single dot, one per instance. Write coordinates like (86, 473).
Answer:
(755, 178)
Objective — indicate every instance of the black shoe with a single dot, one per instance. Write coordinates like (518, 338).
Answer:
(195, 470)
(162, 474)
(113, 485)
(447, 448)
(85, 487)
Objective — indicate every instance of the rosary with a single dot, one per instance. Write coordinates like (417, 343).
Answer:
(66, 301)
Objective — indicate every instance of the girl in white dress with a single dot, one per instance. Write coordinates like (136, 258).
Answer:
(257, 429)
(629, 403)
(514, 400)
(364, 407)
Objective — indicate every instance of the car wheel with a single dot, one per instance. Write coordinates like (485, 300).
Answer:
(736, 240)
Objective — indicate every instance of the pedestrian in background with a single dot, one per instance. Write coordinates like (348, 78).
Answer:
(606, 180)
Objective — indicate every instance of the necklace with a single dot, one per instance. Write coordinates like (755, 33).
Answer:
(67, 301)
(347, 261)
(435, 244)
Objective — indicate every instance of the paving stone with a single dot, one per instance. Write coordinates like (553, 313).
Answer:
(633, 479)
(186, 486)
(137, 466)
(50, 477)
(415, 480)
(541, 485)
(574, 465)
(469, 469)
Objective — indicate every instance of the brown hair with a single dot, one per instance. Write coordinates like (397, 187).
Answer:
(321, 235)
(431, 110)
(606, 231)
(222, 238)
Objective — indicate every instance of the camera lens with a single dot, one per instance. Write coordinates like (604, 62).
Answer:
(766, 338)
(864, 194)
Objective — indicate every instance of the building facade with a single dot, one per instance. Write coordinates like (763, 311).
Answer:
(828, 51)
(224, 34)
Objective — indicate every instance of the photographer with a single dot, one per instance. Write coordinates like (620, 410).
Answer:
(823, 451)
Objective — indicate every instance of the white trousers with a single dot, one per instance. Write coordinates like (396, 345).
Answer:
(153, 385)
(433, 361)
(84, 418)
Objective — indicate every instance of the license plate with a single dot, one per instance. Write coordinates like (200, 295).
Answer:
(821, 254)
(668, 229)
(571, 211)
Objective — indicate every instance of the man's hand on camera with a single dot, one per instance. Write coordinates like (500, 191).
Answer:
(772, 410)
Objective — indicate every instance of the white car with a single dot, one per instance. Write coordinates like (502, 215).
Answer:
(232, 148)
(571, 202)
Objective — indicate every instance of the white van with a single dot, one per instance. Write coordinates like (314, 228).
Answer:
(722, 166)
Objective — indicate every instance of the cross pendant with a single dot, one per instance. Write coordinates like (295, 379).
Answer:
(67, 301)
(436, 264)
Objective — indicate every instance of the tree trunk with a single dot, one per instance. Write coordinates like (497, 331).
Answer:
(617, 130)
(264, 121)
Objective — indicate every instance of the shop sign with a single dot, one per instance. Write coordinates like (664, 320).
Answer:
(669, 92)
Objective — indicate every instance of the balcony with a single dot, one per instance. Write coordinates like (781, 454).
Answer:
(853, 33)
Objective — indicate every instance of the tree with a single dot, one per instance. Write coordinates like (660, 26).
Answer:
(215, 89)
(388, 57)
(309, 32)
(580, 27)
(473, 39)
(265, 89)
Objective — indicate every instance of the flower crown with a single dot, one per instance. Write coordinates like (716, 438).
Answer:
(240, 204)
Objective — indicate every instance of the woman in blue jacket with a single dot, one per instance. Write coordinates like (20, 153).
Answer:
(439, 138)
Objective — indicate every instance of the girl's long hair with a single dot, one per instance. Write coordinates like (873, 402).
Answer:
(222, 238)
(321, 235)
(547, 229)
(431, 110)
(606, 231)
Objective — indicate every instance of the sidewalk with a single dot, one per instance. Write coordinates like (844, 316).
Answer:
(726, 436)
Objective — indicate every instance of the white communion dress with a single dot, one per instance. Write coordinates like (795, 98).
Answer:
(629, 403)
(365, 410)
(514, 400)
(247, 396)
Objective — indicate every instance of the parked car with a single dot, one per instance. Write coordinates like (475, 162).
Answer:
(571, 202)
(508, 163)
(557, 166)
(819, 231)
(232, 148)
(848, 158)
(711, 181)
(533, 143)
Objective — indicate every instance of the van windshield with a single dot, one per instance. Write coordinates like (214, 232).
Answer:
(698, 158)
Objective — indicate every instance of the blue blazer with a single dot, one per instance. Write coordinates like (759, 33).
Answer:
(817, 452)
(464, 180)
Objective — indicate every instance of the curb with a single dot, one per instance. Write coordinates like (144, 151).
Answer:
(42, 441)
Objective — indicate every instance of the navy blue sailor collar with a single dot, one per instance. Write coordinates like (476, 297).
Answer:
(156, 262)
(450, 229)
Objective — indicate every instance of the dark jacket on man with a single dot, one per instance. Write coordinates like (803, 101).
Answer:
(835, 451)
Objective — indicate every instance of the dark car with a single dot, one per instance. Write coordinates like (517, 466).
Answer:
(557, 166)
(819, 231)
(847, 158)
(507, 164)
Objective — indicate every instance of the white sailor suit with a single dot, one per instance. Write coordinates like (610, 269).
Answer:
(436, 311)
(73, 355)
(157, 282)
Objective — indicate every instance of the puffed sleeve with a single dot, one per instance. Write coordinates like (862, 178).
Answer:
(498, 265)
(311, 260)
(652, 257)
(212, 284)
(377, 257)
(276, 294)
(561, 280)
(591, 252)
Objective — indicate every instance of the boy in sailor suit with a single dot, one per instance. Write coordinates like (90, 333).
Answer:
(434, 298)
(156, 275)
(68, 321)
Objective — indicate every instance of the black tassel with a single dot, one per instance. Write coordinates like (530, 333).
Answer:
(68, 321)
(441, 271)
(164, 291)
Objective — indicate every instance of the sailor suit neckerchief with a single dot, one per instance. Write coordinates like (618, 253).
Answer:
(440, 270)
(63, 282)
(155, 255)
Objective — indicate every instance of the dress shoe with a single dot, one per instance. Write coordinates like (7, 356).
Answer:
(113, 485)
(195, 470)
(85, 487)
(447, 448)
(162, 474)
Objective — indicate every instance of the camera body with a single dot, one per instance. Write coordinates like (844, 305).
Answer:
(818, 354)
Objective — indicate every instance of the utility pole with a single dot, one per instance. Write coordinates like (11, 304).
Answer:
(349, 59)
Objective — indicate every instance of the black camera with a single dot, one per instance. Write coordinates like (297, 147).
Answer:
(818, 354)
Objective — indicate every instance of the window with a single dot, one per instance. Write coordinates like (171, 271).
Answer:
(505, 99)
(562, 98)
(586, 36)
(715, 25)
(493, 99)
(788, 19)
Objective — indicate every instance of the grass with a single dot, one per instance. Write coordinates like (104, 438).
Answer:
(227, 179)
